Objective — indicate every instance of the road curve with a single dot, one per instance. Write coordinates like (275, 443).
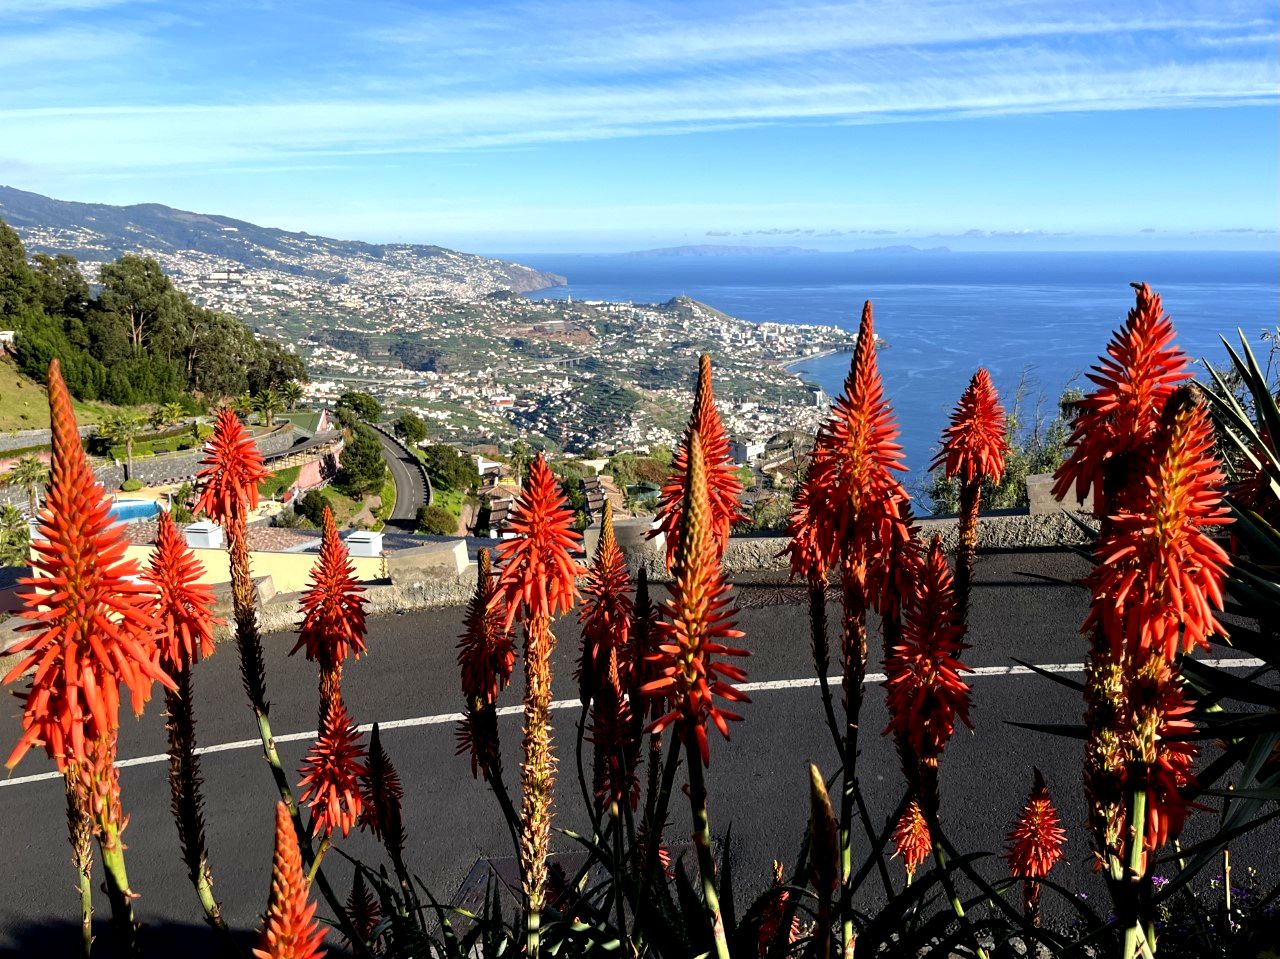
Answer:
(411, 492)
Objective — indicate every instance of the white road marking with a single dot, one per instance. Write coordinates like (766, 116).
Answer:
(441, 718)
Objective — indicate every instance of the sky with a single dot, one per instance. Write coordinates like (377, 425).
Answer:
(593, 125)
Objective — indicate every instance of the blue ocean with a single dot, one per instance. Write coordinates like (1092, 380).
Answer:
(1042, 316)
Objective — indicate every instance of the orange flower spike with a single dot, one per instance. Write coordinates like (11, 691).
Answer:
(911, 838)
(91, 624)
(1116, 420)
(1037, 838)
(289, 929)
(697, 622)
(926, 693)
(232, 471)
(184, 607)
(1160, 574)
(973, 446)
(333, 623)
(537, 566)
(723, 486)
(606, 612)
(331, 774)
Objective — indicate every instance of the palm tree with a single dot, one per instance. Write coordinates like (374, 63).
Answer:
(123, 427)
(291, 393)
(30, 473)
(166, 415)
(267, 404)
(15, 537)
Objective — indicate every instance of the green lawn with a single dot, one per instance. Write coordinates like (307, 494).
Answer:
(450, 499)
(388, 506)
(274, 487)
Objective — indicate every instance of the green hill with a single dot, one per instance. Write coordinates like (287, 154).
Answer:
(24, 406)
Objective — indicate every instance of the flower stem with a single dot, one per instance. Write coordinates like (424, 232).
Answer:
(822, 657)
(118, 891)
(1134, 938)
(253, 674)
(967, 547)
(80, 828)
(537, 776)
(315, 863)
(702, 842)
(184, 787)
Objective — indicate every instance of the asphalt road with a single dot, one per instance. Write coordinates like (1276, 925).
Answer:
(758, 780)
(410, 490)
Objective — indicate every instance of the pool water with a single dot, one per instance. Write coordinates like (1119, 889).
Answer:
(130, 510)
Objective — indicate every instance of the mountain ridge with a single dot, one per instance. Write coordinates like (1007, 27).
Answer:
(102, 231)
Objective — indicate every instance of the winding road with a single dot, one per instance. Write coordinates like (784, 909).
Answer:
(411, 491)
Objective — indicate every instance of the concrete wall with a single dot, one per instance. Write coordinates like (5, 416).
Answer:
(288, 572)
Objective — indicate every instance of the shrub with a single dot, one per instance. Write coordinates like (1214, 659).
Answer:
(312, 505)
(131, 485)
(436, 520)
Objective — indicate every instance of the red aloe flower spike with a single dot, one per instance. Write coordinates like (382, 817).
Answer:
(331, 774)
(333, 623)
(486, 652)
(380, 796)
(185, 605)
(926, 692)
(1162, 751)
(1037, 838)
(537, 575)
(1035, 845)
(973, 449)
(852, 505)
(289, 928)
(232, 471)
(605, 614)
(363, 910)
(537, 583)
(723, 485)
(1160, 574)
(911, 838)
(617, 748)
(1116, 420)
(769, 940)
(973, 446)
(486, 658)
(91, 624)
(696, 623)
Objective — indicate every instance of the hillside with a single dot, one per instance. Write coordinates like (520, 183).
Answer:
(24, 406)
(98, 232)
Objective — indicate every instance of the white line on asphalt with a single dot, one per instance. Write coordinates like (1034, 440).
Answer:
(441, 718)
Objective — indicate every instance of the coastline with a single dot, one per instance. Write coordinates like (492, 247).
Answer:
(790, 365)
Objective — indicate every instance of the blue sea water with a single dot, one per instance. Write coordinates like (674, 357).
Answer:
(943, 315)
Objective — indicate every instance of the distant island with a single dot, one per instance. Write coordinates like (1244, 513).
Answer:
(719, 249)
(903, 248)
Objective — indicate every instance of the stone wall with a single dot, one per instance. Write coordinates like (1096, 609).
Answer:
(21, 439)
(166, 468)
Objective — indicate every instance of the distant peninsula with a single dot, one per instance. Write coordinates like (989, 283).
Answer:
(719, 249)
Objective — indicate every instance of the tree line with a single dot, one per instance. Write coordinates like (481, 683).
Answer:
(135, 339)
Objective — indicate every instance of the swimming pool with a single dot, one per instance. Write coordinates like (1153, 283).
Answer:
(130, 510)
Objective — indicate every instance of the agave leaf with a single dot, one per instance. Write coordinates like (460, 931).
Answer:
(1058, 678)
(1212, 680)
(1069, 730)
